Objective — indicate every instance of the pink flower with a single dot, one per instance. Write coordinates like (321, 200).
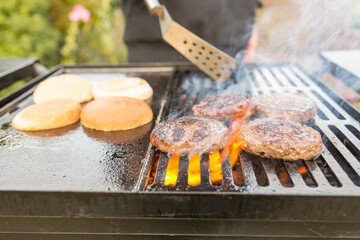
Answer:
(79, 13)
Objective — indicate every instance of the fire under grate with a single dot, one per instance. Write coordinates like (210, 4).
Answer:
(335, 171)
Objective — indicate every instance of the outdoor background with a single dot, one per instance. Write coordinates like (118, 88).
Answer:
(91, 32)
(43, 29)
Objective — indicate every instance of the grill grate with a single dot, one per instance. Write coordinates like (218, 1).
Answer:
(116, 184)
(335, 171)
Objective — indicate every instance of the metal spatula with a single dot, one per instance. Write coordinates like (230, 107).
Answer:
(209, 59)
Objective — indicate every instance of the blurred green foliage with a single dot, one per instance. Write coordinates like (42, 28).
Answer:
(25, 31)
(96, 41)
(42, 29)
(39, 28)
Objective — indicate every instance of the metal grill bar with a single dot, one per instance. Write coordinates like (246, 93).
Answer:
(319, 177)
(249, 172)
(205, 170)
(323, 94)
(116, 187)
(293, 170)
(306, 174)
(343, 150)
(161, 172)
(274, 180)
(182, 180)
(349, 135)
(228, 183)
(330, 174)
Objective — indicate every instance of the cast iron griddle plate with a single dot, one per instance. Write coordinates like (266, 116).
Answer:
(73, 158)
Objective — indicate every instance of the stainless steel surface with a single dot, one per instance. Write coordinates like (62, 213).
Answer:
(15, 69)
(78, 159)
(154, 7)
(41, 204)
(178, 227)
(335, 172)
(348, 60)
(10, 65)
(209, 59)
(74, 158)
(149, 215)
(344, 65)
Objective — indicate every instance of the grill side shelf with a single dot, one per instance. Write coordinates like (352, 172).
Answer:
(9, 102)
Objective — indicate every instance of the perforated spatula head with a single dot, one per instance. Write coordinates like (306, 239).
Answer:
(211, 60)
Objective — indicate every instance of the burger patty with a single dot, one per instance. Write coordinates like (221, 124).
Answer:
(189, 135)
(223, 106)
(281, 139)
(288, 106)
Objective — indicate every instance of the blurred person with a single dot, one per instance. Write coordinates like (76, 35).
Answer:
(226, 24)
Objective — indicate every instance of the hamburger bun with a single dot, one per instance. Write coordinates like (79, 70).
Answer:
(127, 87)
(116, 113)
(48, 115)
(63, 86)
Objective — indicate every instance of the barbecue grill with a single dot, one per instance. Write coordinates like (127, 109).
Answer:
(78, 183)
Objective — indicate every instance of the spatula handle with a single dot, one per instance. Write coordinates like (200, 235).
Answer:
(154, 7)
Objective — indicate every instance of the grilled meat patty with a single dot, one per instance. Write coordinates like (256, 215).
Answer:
(288, 106)
(223, 106)
(281, 139)
(189, 135)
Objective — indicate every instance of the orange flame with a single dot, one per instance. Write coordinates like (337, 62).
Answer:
(302, 170)
(194, 177)
(215, 167)
(235, 142)
(232, 150)
(172, 170)
(235, 150)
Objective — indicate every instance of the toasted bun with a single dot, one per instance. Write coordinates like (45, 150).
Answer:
(116, 113)
(126, 87)
(63, 86)
(48, 115)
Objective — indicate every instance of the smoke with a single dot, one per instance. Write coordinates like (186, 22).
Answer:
(294, 32)
(298, 31)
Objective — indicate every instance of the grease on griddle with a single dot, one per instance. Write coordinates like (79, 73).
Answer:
(119, 137)
(53, 132)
